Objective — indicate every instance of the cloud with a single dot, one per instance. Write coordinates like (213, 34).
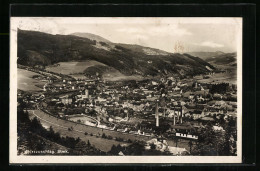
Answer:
(129, 30)
(170, 29)
(46, 25)
(209, 44)
(155, 30)
(140, 36)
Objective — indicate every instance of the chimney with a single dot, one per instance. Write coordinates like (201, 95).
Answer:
(156, 109)
(164, 111)
(86, 92)
(174, 122)
(157, 121)
(178, 115)
(157, 115)
(181, 115)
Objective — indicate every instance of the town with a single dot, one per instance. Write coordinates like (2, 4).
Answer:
(164, 110)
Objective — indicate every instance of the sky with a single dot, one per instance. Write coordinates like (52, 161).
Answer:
(193, 34)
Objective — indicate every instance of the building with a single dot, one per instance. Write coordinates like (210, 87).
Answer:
(66, 100)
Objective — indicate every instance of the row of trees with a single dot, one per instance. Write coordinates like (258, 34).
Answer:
(216, 143)
(219, 88)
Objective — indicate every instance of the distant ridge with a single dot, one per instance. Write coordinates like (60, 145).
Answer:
(205, 55)
(223, 59)
(217, 58)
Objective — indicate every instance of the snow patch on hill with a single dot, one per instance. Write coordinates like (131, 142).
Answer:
(208, 68)
(99, 46)
(148, 51)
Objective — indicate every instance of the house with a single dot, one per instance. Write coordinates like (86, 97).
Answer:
(89, 82)
(121, 153)
(217, 96)
(66, 100)
(207, 119)
(183, 85)
(191, 96)
(177, 150)
(196, 114)
(184, 129)
(186, 136)
(61, 114)
(176, 88)
(200, 98)
(217, 128)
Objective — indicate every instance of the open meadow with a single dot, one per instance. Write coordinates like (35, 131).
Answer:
(73, 67)
(25, 81)
(219, 78)
(76, 70)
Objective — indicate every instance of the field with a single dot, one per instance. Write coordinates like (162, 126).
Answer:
(25, 81)
(79, 76)
(227, 77)
(117, 76)
(84, 119)
(68, 68)
(76, 69)
(62, 126)
(230, 78)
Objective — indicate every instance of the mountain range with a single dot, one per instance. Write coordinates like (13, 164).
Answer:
(38, 48)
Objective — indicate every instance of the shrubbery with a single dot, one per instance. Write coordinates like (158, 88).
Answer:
(35, 127)
(219, 88)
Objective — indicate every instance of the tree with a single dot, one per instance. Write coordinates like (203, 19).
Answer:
(176, 141)
(81, 147)
(137, 148)
(153, 146)
(190, 145)
(104, 135)
(114, 150)
(210, 142)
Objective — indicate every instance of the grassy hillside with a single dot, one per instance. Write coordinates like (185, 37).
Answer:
(72, 67)
(223, 59)
(90, 36)
(46, 49)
